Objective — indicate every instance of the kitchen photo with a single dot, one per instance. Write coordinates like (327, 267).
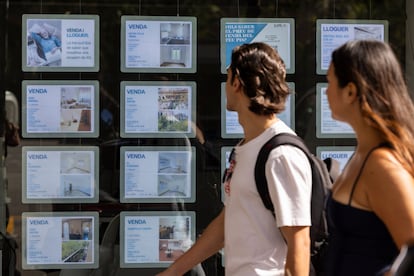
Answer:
(175, 44)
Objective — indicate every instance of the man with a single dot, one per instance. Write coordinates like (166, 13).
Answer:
(256, 242)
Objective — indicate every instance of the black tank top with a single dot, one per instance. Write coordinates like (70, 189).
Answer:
(359, 242)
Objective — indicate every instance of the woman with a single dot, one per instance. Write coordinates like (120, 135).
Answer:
(371, 211)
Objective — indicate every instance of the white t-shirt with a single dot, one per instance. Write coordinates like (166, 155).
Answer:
(253, 243)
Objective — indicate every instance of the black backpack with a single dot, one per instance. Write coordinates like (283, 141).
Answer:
(324, 173)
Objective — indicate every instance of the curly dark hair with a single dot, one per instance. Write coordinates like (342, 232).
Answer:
(262, 73)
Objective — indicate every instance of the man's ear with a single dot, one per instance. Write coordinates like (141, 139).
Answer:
(237, 84)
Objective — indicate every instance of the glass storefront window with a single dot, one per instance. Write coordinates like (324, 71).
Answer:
(123, 118)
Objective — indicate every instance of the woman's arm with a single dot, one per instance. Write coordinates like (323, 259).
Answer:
(390, 194)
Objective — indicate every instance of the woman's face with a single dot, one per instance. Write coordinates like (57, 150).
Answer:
(335, 96)
(44, 34)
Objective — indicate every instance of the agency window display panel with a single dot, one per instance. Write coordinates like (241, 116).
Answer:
(279, 33)
(158, 44)
(74, 236)
(340, 153)
(60, 43)
(158, 109)
(155, 239)
(60, 109)
(331, 33)
(60, 174)
(157, 174)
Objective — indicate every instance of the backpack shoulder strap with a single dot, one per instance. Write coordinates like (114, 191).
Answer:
(260, 172)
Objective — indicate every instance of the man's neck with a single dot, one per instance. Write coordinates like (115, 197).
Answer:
(254, 125)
